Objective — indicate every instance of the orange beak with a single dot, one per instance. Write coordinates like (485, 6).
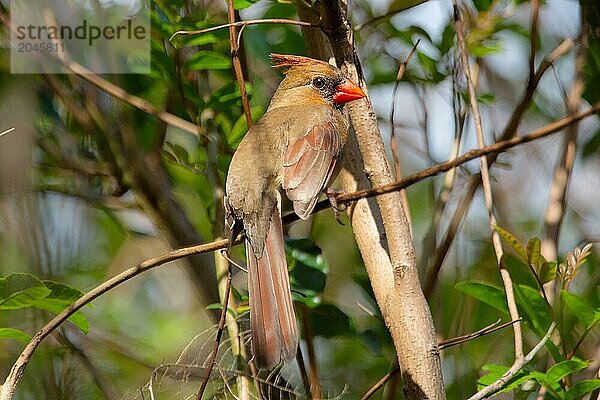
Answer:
(347, 91)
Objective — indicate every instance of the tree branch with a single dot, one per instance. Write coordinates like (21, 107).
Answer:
(234, 44)
(487, 188)
(382, 231)
(246, 23)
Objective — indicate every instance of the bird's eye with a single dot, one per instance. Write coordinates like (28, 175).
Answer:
(318, 82)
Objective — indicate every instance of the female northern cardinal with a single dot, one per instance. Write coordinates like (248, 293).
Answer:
(295, 145)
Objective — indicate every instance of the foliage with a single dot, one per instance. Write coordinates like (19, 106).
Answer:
(108, 185)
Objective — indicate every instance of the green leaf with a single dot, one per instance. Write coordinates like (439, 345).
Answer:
(547, 271)
(309, 269)
(241, 127)
(206, 59)
(241, 4)
(219, 307)
(15, 334)
(513, 242)
(179, 153)
(582, 309)
(447, 39)
(329, 321)
(534, 255)
(535, 308)
(486, 98)
(61, 296)
(482, 5)
(485, 292)
(563, 369)
(582, 388)
(484, 48)
(495, 372)
(198, 40)
(20, 290)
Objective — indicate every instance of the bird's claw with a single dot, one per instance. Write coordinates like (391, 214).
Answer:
(336, 207)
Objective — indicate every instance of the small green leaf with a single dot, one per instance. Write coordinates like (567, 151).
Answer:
(241, 4)
(329, 321)
(15, 334)
(495, 372)
(482, 5)
(484, 48)
(447, 39)
(219, 306)
(241, 127)
(534, 255)
(563, 369)
(20, 290)
(535, 308)
(513, 242)
(582, 309)
(206, 59)
(198, 40)
(486, 98)
(309, 270)
(485, 292)
(582, 388)
(179, 153)
(61, 296)
(547, 271)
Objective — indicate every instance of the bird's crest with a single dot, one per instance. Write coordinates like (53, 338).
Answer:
(290, 60)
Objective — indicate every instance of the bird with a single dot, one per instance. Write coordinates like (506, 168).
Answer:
(295, 147)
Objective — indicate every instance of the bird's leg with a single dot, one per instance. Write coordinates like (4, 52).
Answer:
(335, 206)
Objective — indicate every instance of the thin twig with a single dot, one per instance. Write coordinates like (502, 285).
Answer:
(535, 12)
(234, 44)
(221, 328)
(390, 13)
(516, 367)
(245, 23)
(393, 141)
(135, 101)
(399, 76)
(315, 386)
(487, 188)
(380, 383)
(9, 130)
(473, 335)
(495, 148)
(303, 372)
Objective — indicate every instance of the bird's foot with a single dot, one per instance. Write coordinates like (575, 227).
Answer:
(336, 207)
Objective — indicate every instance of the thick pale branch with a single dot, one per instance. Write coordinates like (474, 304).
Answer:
(389, 256)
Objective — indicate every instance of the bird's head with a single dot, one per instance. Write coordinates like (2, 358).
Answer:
(308, 79)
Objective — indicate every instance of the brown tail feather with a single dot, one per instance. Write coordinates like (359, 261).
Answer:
(272, 316)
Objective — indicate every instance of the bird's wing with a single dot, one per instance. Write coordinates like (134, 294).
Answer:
(309, 162)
